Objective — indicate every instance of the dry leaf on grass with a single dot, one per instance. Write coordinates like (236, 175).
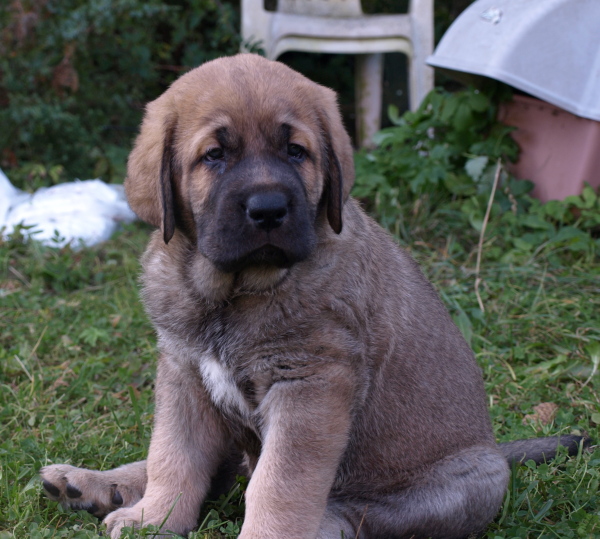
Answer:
(544, 414)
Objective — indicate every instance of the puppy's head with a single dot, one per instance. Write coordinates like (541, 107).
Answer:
(243, 155)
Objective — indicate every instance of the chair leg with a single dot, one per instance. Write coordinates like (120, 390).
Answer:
(420, 74)
(368, 86)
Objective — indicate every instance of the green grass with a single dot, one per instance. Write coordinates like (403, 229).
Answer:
(77, 360)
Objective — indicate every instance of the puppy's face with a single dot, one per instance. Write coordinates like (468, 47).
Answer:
(255, 180)
(242, 155)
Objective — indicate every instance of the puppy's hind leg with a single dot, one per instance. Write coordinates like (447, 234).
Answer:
(99, 493)
(454, 498)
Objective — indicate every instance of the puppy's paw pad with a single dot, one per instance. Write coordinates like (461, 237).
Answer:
(51, 489)
(73, 492)
(117, 499)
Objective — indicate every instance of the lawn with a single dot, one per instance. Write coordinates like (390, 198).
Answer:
(78, 359)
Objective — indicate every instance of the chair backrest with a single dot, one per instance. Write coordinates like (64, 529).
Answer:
(321, 8)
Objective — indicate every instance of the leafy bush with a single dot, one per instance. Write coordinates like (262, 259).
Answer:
(432, 173)
(75, 75)
(438, 151)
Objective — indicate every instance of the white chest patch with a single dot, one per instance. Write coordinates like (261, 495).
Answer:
(219, 382)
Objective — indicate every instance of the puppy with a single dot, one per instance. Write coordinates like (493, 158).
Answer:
(297, 342)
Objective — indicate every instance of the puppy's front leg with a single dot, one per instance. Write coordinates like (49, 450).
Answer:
(306, 420)
(187, 445)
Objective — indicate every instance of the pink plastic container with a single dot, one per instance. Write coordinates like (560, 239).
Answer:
(559, 151)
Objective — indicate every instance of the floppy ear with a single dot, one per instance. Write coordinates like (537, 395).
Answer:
(338, 162)
(151, 169)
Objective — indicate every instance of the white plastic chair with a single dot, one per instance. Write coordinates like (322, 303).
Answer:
(340, 27)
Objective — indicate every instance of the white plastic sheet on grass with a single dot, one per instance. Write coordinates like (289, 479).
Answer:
(82, 213)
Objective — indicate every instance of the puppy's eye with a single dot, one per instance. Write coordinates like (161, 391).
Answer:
(215, 154)
(296, 151)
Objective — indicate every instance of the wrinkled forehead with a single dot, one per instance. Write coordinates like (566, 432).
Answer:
(255, 130)
(258, 106)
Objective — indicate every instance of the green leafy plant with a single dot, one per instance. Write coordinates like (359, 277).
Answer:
(445, 149)
(431, 174)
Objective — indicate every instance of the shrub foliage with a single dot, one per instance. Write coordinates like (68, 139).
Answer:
(75, 75)
(431, 176)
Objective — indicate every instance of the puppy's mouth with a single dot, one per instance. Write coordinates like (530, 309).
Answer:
(267, 255)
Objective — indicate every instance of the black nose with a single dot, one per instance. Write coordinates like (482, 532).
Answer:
(267, 210)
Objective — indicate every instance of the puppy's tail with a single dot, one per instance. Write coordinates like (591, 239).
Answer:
(541, 449)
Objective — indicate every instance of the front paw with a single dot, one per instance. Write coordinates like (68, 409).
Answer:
(127, 517)
(142, 515)
(77, 488)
